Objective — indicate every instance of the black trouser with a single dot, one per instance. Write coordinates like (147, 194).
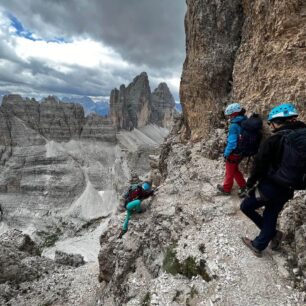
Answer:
(275, 197)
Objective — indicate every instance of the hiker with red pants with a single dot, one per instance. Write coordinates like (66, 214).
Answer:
(236, 114)
(279, 169)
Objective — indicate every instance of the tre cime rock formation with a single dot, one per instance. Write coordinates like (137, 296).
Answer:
(135, 106)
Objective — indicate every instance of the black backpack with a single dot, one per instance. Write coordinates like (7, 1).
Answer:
(250, 136)
(292, 170)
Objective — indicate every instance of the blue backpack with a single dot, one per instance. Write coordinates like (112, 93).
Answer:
(292, 170)
(250, 136)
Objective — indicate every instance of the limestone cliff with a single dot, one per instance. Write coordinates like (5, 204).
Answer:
(213, 33)
(251, 52)
(134, 106)
(270, 66)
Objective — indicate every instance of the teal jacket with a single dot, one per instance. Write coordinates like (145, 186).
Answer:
(233, 135)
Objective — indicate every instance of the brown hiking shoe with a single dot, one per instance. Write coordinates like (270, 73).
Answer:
(248, 243)
(275, 243)
(221, 191)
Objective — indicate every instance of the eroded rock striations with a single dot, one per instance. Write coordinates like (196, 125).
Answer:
(134, 106)
(40, 169)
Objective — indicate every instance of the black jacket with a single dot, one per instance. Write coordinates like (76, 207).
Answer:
(270, 154)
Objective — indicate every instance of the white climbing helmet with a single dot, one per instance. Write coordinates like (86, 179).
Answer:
(232, 108)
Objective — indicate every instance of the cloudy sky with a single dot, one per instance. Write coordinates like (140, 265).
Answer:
(81, 47)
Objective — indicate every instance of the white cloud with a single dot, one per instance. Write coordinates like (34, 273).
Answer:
(85, 53)
(82, 65)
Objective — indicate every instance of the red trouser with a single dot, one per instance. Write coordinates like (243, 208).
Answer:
(232, 172)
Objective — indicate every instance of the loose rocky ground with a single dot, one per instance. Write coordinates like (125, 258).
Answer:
(186, 248)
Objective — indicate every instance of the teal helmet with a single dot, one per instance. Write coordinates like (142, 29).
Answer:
(285, 110)
(146, 186)
(232, 108)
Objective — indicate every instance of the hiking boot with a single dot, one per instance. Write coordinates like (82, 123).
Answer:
(275, 243)
(248, 243)
(221, 190)
(242, 192)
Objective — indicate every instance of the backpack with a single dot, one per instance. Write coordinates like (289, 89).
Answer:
(134, 192)
(292, 170)
(250, 136)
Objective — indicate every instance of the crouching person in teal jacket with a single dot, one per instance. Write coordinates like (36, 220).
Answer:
(133, 198)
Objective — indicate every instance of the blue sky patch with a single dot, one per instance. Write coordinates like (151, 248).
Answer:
(23, 32)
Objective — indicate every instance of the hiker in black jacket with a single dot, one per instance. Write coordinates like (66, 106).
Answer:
(274, 177)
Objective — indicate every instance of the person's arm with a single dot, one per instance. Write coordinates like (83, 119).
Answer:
(146, 194)
(232, 139)
(265, 157)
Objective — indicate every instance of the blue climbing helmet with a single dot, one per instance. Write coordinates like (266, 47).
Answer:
(284, 110)
(232, 108)
(146, 186)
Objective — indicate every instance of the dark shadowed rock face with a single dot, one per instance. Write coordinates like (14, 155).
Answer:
(163, 106)
(213, 31)
(139, 100)
(130, 107)
(134, 106)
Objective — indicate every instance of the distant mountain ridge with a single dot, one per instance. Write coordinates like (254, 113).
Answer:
(100, 107)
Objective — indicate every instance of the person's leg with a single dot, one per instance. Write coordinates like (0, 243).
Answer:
(239, 178)
(268, 230)
(230, 169)
(130, 208)
(249, 205)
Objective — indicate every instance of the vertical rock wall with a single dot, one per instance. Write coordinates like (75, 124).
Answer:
(213, 30)
(270, 66)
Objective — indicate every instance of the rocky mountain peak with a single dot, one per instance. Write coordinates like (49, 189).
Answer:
(135, 106)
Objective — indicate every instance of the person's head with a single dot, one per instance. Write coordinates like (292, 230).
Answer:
(146, 186)
(281, 115)
(233, 110)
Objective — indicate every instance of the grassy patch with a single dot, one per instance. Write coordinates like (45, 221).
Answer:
(146, 300)
(188, 267)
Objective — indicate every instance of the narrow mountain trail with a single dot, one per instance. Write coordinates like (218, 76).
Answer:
(239, 277)
(187, 215)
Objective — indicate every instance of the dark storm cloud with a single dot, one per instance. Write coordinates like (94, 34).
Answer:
(146, 32)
